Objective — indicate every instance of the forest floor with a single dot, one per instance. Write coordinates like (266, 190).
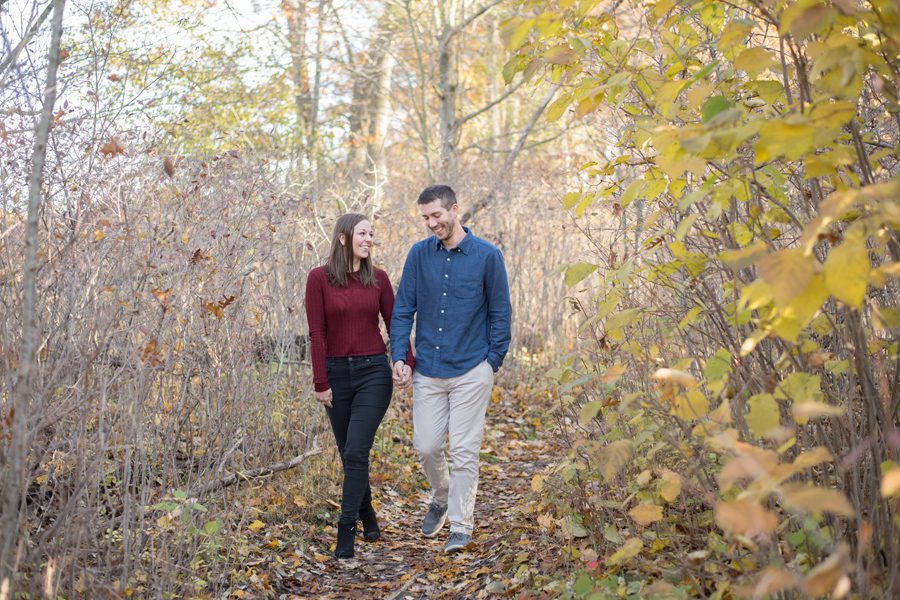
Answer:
(291, 555)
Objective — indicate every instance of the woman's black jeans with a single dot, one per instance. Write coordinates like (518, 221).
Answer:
(361, 388)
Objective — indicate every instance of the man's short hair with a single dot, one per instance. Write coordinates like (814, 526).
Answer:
(444, 193)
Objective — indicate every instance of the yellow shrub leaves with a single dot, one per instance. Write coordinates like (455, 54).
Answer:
(788, 273)
(646, 514)
(613, 457)
(631, 548)
(764, 414)
(745, 517)
(671, 486)
(816, 500)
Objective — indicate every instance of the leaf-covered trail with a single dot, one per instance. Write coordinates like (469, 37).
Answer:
(403, 563)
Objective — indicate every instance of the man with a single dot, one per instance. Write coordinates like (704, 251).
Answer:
(455, 285)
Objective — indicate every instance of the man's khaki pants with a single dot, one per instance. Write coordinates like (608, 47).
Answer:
(456, 406)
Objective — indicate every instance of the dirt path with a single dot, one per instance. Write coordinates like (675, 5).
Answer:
(405, 565)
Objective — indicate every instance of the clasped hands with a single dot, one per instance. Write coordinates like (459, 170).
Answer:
(402, 374)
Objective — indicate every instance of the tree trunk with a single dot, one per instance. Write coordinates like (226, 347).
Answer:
(296, 15)
(370, 115)
(13, 470)
(448, 86)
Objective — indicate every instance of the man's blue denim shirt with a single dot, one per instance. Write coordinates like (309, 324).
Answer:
(460, 299)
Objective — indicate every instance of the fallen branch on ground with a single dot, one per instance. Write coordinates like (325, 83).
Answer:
(252, 473)
(405, 587)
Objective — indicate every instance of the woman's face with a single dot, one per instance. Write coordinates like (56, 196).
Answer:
(362, 241)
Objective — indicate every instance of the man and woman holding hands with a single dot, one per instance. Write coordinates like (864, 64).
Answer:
(454, 286)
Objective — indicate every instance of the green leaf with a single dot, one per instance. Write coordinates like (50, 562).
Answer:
(577, 272)
(714, 106)
(589, 411)
(718, 365)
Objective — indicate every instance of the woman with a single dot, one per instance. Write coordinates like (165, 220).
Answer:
(351, 372)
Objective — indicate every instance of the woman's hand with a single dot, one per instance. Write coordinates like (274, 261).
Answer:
(324, 398)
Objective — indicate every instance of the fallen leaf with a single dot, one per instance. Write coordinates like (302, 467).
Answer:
(112, 148)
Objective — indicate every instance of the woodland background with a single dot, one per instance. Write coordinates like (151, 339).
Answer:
(699, 208)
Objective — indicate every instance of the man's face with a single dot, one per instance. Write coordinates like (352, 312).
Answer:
(439, 220)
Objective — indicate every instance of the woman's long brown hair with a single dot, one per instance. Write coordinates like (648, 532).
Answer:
(340, 257)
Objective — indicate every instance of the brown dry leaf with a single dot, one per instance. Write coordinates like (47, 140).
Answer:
(168, 166)
(813, 499)
(772, 581)
(646, 514)
(745, 517)
(826, 576)
(112, 148)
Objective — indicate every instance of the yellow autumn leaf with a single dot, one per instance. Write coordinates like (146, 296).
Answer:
(631, 548)
(256, 525)
(847, 271)
(764, 414)
(690, 405)
(804, 307)
(745, 517)
(789, 137)
(671, 486)
(99, 235)
(646, 514)
(613, 373)
(787, 272)
(813, 499)
(744, 257)
(644, 477)
(890, 483)
(613, 457)
(537, 483)
(577, 272)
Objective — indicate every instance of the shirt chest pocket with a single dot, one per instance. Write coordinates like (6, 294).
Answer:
(468, 287)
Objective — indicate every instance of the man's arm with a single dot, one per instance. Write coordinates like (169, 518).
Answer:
(404, 310)
(499, 309)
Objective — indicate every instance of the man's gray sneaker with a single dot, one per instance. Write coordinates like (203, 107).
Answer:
(457, 541)
(434, 520)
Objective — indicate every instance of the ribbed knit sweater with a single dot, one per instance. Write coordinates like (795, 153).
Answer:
(344, 321)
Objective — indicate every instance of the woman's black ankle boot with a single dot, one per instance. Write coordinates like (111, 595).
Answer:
(346, 536)
(371, 531)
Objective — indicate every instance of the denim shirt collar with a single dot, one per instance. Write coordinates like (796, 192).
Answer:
(464, 245)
